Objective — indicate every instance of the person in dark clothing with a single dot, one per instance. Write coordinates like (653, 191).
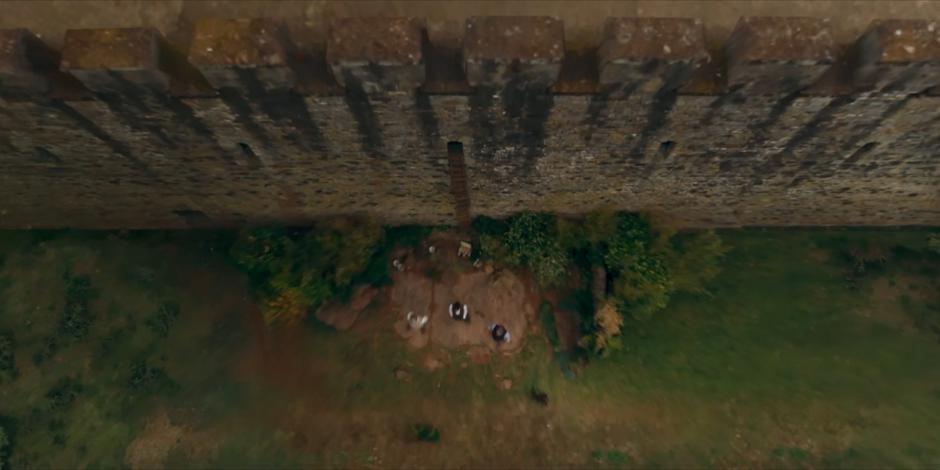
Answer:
(499, 333)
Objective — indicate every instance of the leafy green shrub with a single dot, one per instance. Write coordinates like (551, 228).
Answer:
(8, 370)
(408, 236)
(109, 343)
(77, 317)
(47, 349)
(63, 394)
(643, 266)
(161, 320)
(484, 225)
(295, 272)
(147, 377)
(646, 267)
(933, 243)
(532, 241)
(425, 432)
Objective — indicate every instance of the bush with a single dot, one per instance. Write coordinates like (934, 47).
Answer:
(933, 243)
(409, 236)
(8, 370)
(532, 241)
(642, 284)
(484, 225)
(491, 246)
(63, 394)
(77, 318)
(294, 272)
(345, 244)
(607, 337)
(290, 306)
(147, 377)
(161, 320)
(425, 432)
(646, 267)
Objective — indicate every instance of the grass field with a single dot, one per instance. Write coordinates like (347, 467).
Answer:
(785, 363)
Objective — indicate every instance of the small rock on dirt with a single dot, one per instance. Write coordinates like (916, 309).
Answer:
(432, 364)
(402, 374)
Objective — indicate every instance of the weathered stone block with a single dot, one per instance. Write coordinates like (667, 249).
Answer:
(771, 55)
(377, 54)
(25, 63)
(898, 56)
(517, 51)
(102, 58)
(654, 51)
(243, 53)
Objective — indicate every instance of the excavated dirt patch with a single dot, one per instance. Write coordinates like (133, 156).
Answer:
(493, 296)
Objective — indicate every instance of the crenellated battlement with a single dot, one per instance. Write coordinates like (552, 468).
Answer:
(780, 125)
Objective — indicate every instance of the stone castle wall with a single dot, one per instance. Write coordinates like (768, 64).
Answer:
(782, 125)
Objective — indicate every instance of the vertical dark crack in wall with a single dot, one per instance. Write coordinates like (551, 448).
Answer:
(458, 184)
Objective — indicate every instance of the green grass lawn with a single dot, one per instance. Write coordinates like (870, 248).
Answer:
(783, 364)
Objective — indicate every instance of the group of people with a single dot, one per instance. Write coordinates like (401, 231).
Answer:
(461, 312)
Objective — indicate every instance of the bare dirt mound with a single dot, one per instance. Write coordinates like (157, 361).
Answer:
(150, 448)
(342, 316)
(499, 297)
(496, 298)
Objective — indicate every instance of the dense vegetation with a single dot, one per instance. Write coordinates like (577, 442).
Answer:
(296, 271)
(642, 266)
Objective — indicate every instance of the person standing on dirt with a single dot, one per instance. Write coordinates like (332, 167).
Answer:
(459, 311)
(499, 333)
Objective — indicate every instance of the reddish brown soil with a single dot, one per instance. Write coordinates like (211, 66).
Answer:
(498, 297)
